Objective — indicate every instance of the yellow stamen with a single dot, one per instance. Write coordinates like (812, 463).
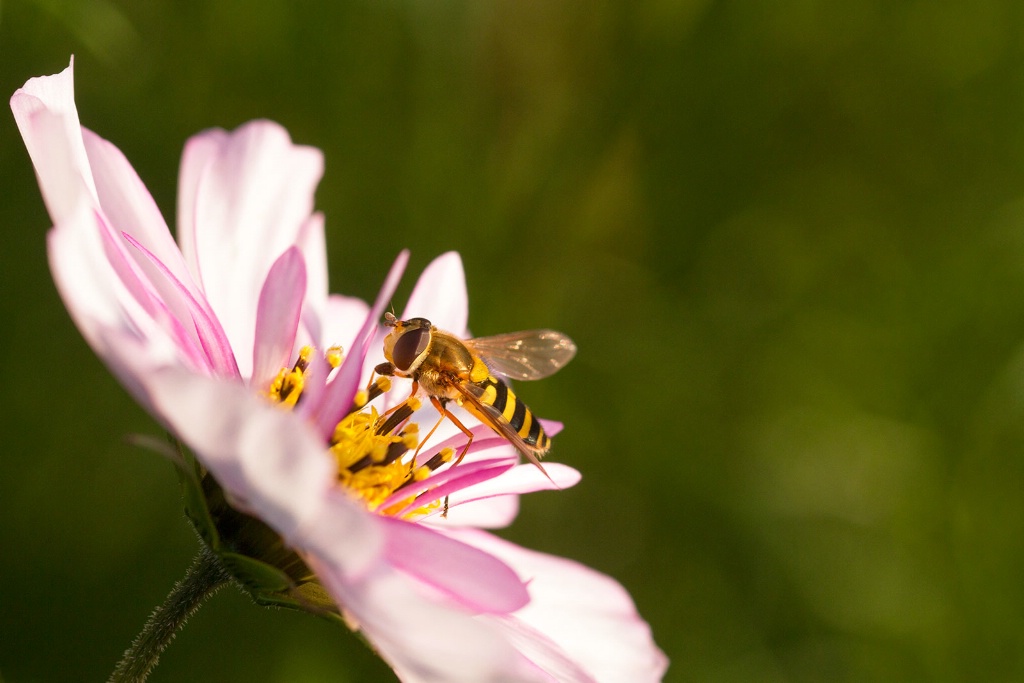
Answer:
(287, 386)
(372, 451)
(334, 356)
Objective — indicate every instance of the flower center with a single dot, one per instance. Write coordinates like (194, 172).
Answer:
(375, 452)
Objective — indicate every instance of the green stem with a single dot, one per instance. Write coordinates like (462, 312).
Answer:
(204, 578)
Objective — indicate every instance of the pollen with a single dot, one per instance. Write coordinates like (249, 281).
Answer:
(372, 450)
(334, 356)
(371, 466)
(287, 386)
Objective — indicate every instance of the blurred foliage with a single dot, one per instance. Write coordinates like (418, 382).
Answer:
(788, 238)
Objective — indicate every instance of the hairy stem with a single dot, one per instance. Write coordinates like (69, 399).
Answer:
(204, 578)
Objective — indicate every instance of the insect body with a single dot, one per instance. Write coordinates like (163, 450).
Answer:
(466, 372)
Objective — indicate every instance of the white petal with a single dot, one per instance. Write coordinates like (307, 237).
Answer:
(440, 295)
(343, 320)
(268, 461)
(425, 638)
(494, 503)
(108, 301)
(313, 243)
(251, 204)
(198, 156)
(586, 614)
(490, 513)
(44, 109)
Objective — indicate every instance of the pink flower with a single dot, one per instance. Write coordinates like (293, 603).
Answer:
(202, 332)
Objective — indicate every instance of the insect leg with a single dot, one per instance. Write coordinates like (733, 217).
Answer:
(455, 421)
(424, 440)
(383, 369)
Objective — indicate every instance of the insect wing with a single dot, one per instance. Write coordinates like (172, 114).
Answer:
(533, 354)
(497, 421)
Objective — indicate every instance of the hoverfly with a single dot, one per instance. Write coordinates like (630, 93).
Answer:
(466, 371)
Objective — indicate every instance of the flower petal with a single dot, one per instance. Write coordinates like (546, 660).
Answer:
(543, 652)
(44, 109)
(131, 211)
(522, 479)
(269, 463)
(164, 288)
(488, 513)
(440, 295)
(105, 291)
(344, 318)
(587, 615)
(425, 640)
(112, 320)
(277, 317)
(446, 482)
(251, 203)
(129, 207)
(337, 396)
(313, 244)
(492, 503)
(198, 156)
(475, 579)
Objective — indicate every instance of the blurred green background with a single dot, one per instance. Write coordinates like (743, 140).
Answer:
(788, 238)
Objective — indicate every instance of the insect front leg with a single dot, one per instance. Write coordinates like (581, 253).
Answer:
(384, 370)
(387, 369)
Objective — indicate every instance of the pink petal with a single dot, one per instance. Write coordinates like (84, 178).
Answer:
(440, 295)
(169, 290)
(525, 478)
(338, 395)
(343, 536)
(92, 291)
(60, 149)
(129, 207)
(251, 204)
(587, 615)
(448, 481)
(104, 291)
(475, 579)
(99, 304)
(485, 440)
(277, 317)
(313, 389)
(492, 503)
(374, 357)
(552, 427)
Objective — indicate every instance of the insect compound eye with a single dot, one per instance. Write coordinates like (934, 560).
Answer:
(409, 346)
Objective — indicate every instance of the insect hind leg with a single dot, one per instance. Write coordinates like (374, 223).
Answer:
(445, 413)
(465, 430)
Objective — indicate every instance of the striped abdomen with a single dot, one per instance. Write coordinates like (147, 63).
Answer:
(509, 416)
